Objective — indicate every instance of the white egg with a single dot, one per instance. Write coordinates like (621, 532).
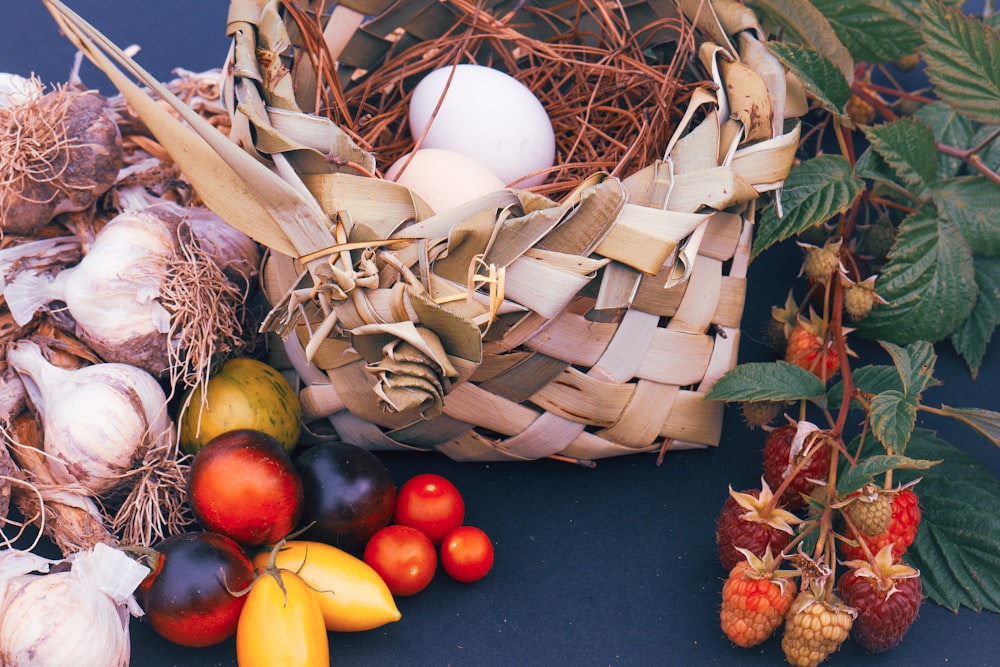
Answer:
(486, 115)
(444, 179)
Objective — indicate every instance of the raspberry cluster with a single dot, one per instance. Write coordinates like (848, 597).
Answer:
(875, 598)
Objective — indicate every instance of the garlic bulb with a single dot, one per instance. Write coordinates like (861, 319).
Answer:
(112, 293)
(75, 618)
(98, 421)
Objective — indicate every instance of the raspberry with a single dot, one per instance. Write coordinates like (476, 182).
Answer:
(782, 452)
(746, 522)
(886, 595)
(814, 629)
(760, 413)
(809, 350)
(860, 111)
(774, 336)
(900, 533)
(858, 301)
(754, 603)
(878, 239)
(870, 511)
(821, 263)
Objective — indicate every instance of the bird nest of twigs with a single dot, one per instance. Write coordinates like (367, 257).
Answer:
(614, 92)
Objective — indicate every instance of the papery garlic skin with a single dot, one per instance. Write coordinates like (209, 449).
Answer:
(37, 629)
(74, 618)
(15, 89)
(98, 421)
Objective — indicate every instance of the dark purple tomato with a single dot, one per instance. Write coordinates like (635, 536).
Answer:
(189, 596)
(348, 492)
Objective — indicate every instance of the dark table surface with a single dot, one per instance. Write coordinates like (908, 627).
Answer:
(608, 566)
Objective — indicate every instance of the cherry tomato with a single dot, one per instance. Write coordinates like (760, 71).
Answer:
(188, 597)
(467, 553)
(404, 557)
(431, 504)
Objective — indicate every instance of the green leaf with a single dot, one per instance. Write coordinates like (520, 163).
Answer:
(914, 364)
(872, 166)
(929, 282)
(986, 422)
(820, 77)
(766, 381)
(950, 128)
(971, 338)
(874, 31)
(908, 146)
(963, 61)
(893, 416)
(972, 202)
(853, 478)
(814, 191)
(800, 22)
(868, 380)
(958, 544)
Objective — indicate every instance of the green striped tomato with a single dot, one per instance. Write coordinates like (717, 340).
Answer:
(244, 394)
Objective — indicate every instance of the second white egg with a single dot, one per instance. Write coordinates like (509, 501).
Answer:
(443, 179)
(488, 116)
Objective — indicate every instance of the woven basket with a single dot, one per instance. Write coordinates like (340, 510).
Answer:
(515, 327)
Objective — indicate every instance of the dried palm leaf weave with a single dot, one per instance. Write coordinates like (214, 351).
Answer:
(581, 319)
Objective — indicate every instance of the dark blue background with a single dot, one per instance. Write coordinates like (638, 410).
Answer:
(610, 566)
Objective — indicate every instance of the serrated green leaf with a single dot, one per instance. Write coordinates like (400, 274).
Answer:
(963, 60)
(914, 365)
(929, 282)
(817, 73)
(870, 165)
(907, 145)
(868, 380)
(800, 22)
(853, 478)
(893, 415)
(987, 422)
(972, 202)
(950, 128)
(766, 381)
(971, 338)
(958, 545)
(814, 191)
(874, 31)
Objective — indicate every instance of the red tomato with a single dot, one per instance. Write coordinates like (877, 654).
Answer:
(244, 485)
(467, 553)
(431, 504)
(404, 557)
(189, 596)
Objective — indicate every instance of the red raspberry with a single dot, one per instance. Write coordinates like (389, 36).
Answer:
(901, 532)
(746, 522)
(754, 602)
(808, 349)
(782, 453)
(814, 629)
(887, 597)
